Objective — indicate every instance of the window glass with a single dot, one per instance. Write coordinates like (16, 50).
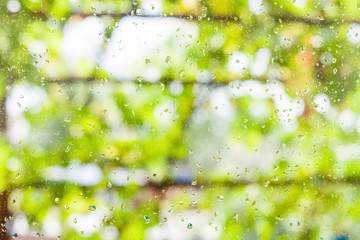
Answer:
(179, 119)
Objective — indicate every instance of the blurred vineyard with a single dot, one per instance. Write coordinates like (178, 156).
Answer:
(179, 119)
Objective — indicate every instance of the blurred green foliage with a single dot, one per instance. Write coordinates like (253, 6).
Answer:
(176, 152)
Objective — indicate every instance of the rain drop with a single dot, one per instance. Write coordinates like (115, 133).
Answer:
(92, 208)
(168, 59)
(67, 119)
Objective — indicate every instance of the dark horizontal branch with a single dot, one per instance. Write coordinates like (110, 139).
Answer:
(166, 81)
(119, 15)
(309, 182)
(184, 16)
(206, 17)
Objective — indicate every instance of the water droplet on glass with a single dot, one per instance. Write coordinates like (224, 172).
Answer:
(67, 148)
(189, 226)
(67, 119)
(301, 137)
(147, 219)
(138, 12)
(168, 59)
(92, 208)
(139, 78)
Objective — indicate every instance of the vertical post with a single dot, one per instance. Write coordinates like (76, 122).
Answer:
(4, 211)
(4, 214)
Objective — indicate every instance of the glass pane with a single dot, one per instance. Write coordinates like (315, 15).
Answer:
(179, 119)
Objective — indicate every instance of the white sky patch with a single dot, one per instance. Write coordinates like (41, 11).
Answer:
(152, 74)
(242, 156)
(124, 177)
(51, 223)
(85, 175)
(56, 173)
(358, 125)
(347, 120)
(89, 222)
(176, 88)
(17, 130)
(322, 103)
(39, 51)
(151, 7)
(203, 75)
(25, 97)
(52, 70)
(175, 229)
(288, 108)
(256, 7)
(75, 3)
(138, 44)
(22, 97)
(165, 113)
(20, 225)
(251, 88)
(220, 104)
(300, 3)
(238, 62)
(261, 62)
(346, 152)
(353, 34)
(37, 47)
(82, 40)
(110, 233)
(13, 6)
